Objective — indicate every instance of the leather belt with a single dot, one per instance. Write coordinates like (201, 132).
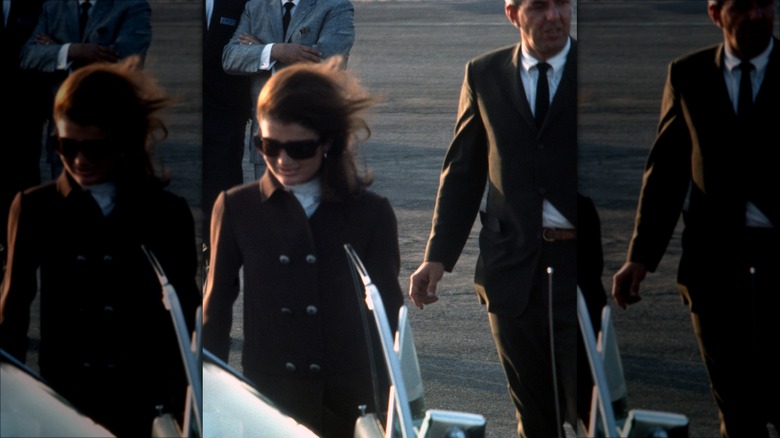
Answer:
(558, 234)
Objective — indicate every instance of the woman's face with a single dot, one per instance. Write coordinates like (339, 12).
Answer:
(287, 170)
(87, 153)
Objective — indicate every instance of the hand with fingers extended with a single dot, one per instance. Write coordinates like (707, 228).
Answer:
(291, 53)
(625, 283)
(422, 284)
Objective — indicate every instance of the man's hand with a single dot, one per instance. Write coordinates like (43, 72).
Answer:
(45, 39)
(625, 283)
(247, 39)
(291, 53)
(87, 53)
(422, 284)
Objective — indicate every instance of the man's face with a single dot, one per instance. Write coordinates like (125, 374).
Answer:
(747, 24)
(544, 25)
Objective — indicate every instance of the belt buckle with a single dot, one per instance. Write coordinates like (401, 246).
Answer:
(548, 234)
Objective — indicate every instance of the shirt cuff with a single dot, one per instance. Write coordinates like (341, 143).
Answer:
(265, 58)
(62, 57)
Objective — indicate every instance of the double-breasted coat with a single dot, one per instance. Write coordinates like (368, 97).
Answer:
(302, 318)
(107, 343)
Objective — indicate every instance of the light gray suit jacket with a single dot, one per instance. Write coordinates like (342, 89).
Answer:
(326, 25)
(124, 25)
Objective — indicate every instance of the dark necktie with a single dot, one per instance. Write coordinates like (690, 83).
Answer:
(745, 99)
(542, 93)
(84, 17)
(286, 18)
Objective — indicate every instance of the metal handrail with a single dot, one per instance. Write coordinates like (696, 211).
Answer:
(603, 400)
(190, 358)
(398, 394)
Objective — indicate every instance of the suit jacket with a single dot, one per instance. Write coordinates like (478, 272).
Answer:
(102, 316)
(496, 139)
(222, 91)
(301, 312)
(326, 25)
(124, 25)
(706, 159)
(19, 159)
(22, 18)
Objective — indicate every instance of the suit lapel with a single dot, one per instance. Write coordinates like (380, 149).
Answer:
(266, 20)
(566, 88)
(516, 92)
(71, 22)
(101, 9)
(718, 83)
(303, 9)
(770, 83)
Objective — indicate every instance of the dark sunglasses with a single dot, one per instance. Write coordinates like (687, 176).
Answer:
(297, 150)
(98, 149)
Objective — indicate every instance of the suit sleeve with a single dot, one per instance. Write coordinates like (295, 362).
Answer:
(338, 31)
(133, 36)
(244, 59)
(19, 285)
(222, 287)
(40, 57)
(665, 181)
(462, 181)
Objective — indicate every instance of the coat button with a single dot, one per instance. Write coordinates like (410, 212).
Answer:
(283, 259)
(107, 258)
(311, 310)
(542, 191)
(540, 146)
(290, 367)
(311, 259)
(314, 368)
(286, 311)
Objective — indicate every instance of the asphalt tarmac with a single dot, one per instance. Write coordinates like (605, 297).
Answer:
(413, 54)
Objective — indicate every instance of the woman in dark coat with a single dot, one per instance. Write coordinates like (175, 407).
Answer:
(304, 343)
(107, 342)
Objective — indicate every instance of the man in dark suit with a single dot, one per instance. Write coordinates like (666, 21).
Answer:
(316, 30)
(227, 107)
(713, 161)
(113, 30)
(523, 141)
(19, 159)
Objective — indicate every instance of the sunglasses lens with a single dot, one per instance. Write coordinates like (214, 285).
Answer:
(99, 149)
(68, 147)
(297, 150)
(301, 150)
(267, 147)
